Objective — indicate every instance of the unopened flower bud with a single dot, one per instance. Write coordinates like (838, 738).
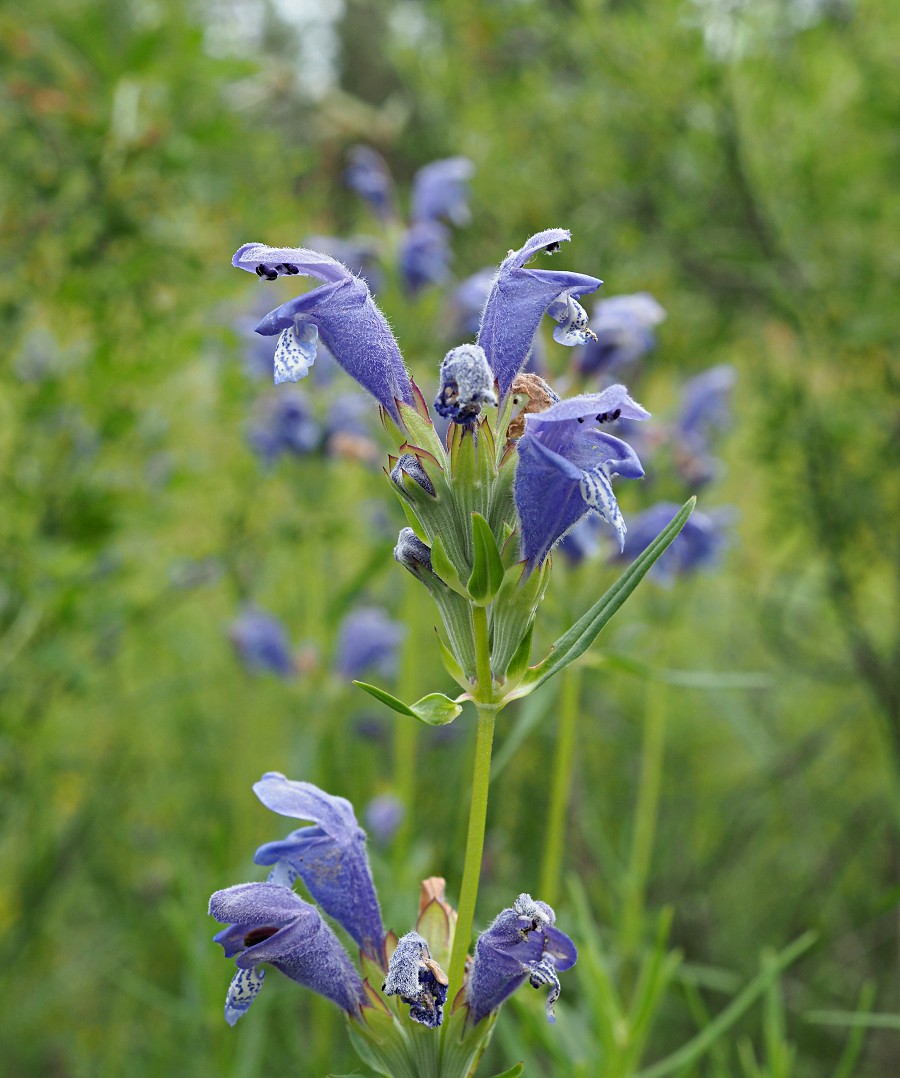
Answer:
(467, 384)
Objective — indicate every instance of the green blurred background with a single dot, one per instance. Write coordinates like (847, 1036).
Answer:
(739, 161)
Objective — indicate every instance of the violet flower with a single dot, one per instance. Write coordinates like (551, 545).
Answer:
(368, 639)
(705, 411)
(368, 175)
(697, 546)
(329, 856)
(565, 465)
(624, 327)
(262, 643)
(440, 190)
(285, 425)
(520, 297)
(383, 815)
(425, 255)
(521, 943)
(268, 923)
(341, 311)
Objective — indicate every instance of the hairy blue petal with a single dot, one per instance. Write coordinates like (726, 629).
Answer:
(518, 300)
(522, 943)
(572, 321)
(344, 316)
(269, 923)
(565, 464)
(329, 857)
(418, 980)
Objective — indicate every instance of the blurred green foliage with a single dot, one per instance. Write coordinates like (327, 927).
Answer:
(740, 168)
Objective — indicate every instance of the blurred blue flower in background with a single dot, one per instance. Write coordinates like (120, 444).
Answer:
(624, 328)
(705, 412)
(358, 253)
(383, 816)
(285, 424)
(521, 943)
(262, 643)
(268, 923)
(368, 640)
(697, 546)
(440, 190)
(425, 255)
(368, 175)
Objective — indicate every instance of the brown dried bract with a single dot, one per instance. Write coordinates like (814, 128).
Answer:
(433, 891)
(539, 396)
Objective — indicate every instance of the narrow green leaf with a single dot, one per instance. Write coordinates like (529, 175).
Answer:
(434, 709)
(697, 1046)
(451, 664)
(579, 638)
(386, 698)
(513, 1072)
(445, 569)
(487, 568)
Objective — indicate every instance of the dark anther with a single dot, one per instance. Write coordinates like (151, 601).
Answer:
(259, 934)
(581, 419)
(270, 274)
(609, 417)
(261, 271)
(552, 248)
(290, 268)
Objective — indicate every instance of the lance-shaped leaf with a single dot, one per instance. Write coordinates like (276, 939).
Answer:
(579, 638)
(487, 568)
(435, 709)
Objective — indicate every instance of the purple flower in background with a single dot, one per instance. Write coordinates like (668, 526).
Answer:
(341, 311)
(520, 297)
(565, 465)
(705, 411)
(368, 640)
(582, 541)
(522, 943)
(262, 642)
(697, 546)
(384, 814)
(268, 923)
(330, 856)
(285, 425)
(624, 327)
(418, 980)
(368, 175)
(425, 255)
(441, 190)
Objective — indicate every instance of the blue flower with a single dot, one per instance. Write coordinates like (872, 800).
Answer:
(330, 856)
(368, 640)
(697, 546)
(418, 980)
(286, 425)
(368, 175)
(384, 814)
(358, 253)
(425, 255)
(624, 329)
(469, 298)
(262, 642)
(440, 190)
(705, 411)
(522, 943)
(341, 311)
(520, 297)
(268, 923)
(565, 465)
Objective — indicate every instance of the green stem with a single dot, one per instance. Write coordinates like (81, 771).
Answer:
(645, 816)
(487, 711)
(406, 730)
(554, 840)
